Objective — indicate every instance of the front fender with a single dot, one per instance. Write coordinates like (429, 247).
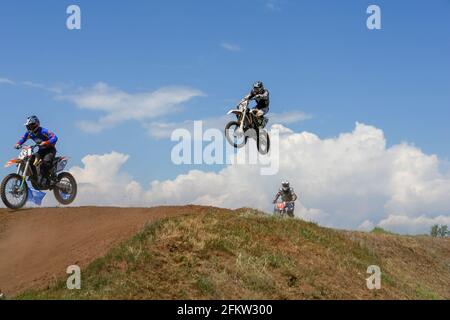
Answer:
(12, 162)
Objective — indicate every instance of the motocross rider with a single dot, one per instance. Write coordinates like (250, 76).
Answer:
(288, 195)
(261, 96)
(46, 141)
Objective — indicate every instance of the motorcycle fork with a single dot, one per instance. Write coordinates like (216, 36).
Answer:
(24, 175)
(243, 120)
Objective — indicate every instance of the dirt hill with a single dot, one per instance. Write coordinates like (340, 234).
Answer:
(195, 252)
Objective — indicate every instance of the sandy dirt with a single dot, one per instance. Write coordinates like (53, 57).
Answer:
(37, 245)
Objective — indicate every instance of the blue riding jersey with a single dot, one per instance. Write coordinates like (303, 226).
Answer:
(42, 136)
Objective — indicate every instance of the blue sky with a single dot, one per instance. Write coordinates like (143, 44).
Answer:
(317, 57)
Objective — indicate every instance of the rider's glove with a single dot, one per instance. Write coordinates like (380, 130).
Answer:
(17, 146)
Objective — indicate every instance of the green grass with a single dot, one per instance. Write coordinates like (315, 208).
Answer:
(425, 293)
(379, 230)
(239, 255)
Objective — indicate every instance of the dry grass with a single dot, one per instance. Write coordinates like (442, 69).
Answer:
(244, 254)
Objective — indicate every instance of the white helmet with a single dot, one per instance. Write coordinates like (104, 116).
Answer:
(258, 87)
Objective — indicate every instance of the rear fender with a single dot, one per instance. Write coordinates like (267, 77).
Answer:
(62, 163)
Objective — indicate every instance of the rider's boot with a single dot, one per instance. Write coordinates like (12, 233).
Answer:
(42, 180)
(43, 177)
(260, 121)
(52, 179)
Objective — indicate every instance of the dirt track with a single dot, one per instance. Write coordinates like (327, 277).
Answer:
(37, 245)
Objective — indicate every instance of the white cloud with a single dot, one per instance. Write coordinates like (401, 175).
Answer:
(35, 85)
(163, 130)
(120, 106)
(366, 226)
(288, 117)
(350, 181)
(31, 84)
(101, 182)
(273, 5)
(413, 225)
(230, 47)
(6, 81)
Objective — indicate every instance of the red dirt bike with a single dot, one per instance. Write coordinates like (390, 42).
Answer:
(284, 208)
(14, 188)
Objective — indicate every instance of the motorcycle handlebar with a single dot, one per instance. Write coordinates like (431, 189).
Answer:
(247, 101)
(31, 147)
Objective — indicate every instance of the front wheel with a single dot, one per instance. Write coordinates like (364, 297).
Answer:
(14, 191)
(278, 213)
(65, 190)
(234, 137)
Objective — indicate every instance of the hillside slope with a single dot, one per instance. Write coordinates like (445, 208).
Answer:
(37, 245)
(221, 254)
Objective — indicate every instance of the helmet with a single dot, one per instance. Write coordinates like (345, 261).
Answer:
(32, 124)
(285, 185)
(258, 86)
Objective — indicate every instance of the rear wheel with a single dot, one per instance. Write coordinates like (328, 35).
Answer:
(14, 191)
(263, 142)
(233, 135)
(65, 190)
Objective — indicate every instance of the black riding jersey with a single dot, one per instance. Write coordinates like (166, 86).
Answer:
(262, 99)
(287, 196)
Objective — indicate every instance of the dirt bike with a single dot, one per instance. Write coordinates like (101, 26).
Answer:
(14, 188)
(284, 208)
(247, 125)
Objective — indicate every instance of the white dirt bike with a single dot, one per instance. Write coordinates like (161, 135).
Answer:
(14, 188)
(237, 132)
